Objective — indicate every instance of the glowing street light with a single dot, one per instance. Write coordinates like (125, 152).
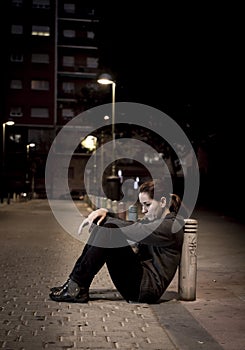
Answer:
(90, 142)
(30, 145)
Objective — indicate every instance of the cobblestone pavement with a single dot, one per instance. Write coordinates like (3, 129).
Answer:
(36, 254)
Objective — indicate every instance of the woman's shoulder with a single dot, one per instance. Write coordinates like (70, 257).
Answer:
(175, 219)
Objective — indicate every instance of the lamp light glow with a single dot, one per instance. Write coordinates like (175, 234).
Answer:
(10, 123)
(105, 79)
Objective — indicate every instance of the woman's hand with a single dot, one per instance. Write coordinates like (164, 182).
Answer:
(99, 213)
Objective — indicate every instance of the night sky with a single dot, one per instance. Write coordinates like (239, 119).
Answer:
(186, 60)
(181, 58)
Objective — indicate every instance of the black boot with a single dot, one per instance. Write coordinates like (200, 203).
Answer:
(71, 293)
(55, 289)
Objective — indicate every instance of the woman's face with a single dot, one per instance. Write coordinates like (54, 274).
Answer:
(150, 207)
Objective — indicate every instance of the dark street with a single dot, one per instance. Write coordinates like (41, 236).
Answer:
(37, 254)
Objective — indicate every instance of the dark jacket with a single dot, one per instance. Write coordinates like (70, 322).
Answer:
(160, 255)
(159, 245)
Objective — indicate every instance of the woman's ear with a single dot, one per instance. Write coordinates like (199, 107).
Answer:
(163, 202)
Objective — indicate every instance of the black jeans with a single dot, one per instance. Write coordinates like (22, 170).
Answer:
(123, 264)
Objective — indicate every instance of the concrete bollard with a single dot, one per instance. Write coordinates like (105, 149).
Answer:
(108, 203)
(91, 199)
(103, 202)
(96, 202)
(133, 213)
(133, 216)
(122, 211)
(114, 206)
(188, 263)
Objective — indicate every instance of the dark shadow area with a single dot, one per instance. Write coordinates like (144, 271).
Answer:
(169, 296)
(108, 294)
(113, 295)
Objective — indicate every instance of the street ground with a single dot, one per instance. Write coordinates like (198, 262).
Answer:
(36, 254)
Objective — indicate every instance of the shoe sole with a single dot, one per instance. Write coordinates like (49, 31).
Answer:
(55, 289)
(69, 300)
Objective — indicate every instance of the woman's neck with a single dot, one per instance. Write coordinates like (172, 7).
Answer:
(165, 212)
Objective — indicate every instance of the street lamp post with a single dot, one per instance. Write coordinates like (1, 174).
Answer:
(8, 123)
(28, 146)
(106, 79)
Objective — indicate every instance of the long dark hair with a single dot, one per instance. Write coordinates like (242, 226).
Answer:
(156, 190)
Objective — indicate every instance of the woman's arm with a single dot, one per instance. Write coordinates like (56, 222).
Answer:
(99, 214)
(158, 232)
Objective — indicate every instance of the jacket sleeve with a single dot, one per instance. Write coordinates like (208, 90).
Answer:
(158, 232)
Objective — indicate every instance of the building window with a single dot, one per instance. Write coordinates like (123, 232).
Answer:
(16, 84)
(17, 3)
(40, 30)
(92, 62)
(67, 113)
(91, 12)
(68, 61)
(69, 33)
(40, 58)
(90, 35)
(68, 87)
(69, 8)
(16, 112)
(16, 57)
(39, 112)
(16, 138)
(41, 4)
(39, 85)
(17, 29)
